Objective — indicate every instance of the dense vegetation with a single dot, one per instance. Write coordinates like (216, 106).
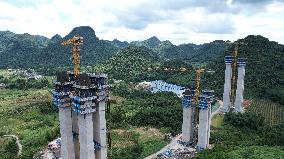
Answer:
(272, 112)
(48, 55)
(132, 64)
(140, 108)
(245, 136)
(135, 64)
(28, 51)
(136, 109)
(15, 82)
(26, 111)
(189, 52)
(29, 115)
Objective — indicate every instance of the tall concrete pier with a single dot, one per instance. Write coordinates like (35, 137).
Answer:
(240, 85)
(81, 104)
(209, 121)
(187, 124)
(203, 128)
(227, 85)
(67, 144)
(100, 128)
(188, 115)
(86, 136)
(205, 101)
(75, 131)
(190, 132)
(61, 99)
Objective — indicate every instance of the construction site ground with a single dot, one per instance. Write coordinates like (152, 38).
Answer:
(175, 150)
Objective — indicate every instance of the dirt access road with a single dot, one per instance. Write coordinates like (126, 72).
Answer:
(174, 140)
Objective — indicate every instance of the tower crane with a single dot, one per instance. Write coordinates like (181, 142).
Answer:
(76, 41)
(198, 73)
(197, 83)
(234, 73)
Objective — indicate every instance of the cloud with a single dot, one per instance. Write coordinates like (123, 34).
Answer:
(252, 1)
(215, 25)
(179, 21)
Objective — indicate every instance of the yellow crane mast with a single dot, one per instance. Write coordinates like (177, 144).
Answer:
(197, 83)
(75, 42)
(234, 74)
(198, 73)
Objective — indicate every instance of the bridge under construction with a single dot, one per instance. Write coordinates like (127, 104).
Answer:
(82, 98)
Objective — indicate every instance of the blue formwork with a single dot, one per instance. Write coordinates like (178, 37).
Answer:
(203, 104)
(79, 104)
(242, 61)
(205, 99)
(208, 92)
(57, 99)
(228, 59)
(186, 101)
(76, 103)
(161, 86)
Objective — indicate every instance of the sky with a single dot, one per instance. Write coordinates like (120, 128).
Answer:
(180, 21)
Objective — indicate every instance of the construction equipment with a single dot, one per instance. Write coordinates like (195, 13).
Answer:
(75, 41)
(196, 102)
(197, 83)
(234, 74)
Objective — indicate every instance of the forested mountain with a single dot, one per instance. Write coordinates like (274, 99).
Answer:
(119, 44)
(150, 43)
(209, 51)
(189, 52)
(264, 69)
(93, 49)
(29, 51)
(41, 53)
(20, 50)
(132, 63)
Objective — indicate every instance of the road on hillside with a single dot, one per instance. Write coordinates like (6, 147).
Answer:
(18, 143)
(174, 140)
(216, 111)
(171, 144)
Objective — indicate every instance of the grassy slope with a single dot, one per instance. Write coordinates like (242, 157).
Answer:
(125, 137)
(217, 120)
(29, 115)
(147, 141)
(257, 152)
(235, 143)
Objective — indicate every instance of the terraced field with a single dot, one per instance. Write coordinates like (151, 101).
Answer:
(272, 112)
